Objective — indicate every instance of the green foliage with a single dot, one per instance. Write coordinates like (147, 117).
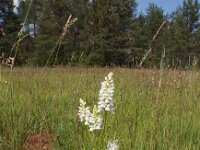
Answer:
(94, 59)
(10, 24)
(146, 116)
(184, 29)
(154, 19)
(107, 33)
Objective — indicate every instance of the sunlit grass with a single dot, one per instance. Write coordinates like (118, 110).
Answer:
(146, 116)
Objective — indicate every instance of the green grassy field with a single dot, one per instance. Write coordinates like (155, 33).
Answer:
(146, 116)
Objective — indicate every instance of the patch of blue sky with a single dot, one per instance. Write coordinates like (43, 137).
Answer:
(167, 5)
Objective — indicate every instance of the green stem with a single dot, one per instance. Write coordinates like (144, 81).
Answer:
(84, 138)
(105, 130)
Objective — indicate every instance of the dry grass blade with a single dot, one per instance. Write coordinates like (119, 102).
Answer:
(150, 49)
(66, 27)
(68, 24)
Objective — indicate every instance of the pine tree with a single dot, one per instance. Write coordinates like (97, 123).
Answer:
(47, 18)
(154, 18)
(106, 27)
(29, 13)
(184, 30)
(10, 24)
(51, 25)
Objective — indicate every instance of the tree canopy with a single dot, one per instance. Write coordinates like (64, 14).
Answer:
(107, 33)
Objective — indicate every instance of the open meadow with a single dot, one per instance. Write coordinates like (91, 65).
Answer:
(148, 114)
(72, 75)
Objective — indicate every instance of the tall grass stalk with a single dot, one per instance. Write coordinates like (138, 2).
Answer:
(70, 21)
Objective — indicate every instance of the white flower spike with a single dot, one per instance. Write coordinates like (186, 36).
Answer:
(106, 94)
(84, 112)
(93, 120)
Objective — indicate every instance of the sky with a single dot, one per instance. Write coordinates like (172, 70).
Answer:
(167, 5)
(16, 2)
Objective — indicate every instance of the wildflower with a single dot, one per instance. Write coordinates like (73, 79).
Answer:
(106, 94)
(84, 112)
(112, 145)
(93, 120)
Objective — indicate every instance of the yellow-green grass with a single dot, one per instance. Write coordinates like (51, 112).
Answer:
(146, 117)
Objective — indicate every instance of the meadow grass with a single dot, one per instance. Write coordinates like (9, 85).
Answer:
(147, 116)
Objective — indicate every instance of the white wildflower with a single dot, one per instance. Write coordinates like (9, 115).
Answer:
(93, 120)
(106, 94)
(84, 112)
(112, 145)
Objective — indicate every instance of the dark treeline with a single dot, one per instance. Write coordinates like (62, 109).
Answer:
(107, 33)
